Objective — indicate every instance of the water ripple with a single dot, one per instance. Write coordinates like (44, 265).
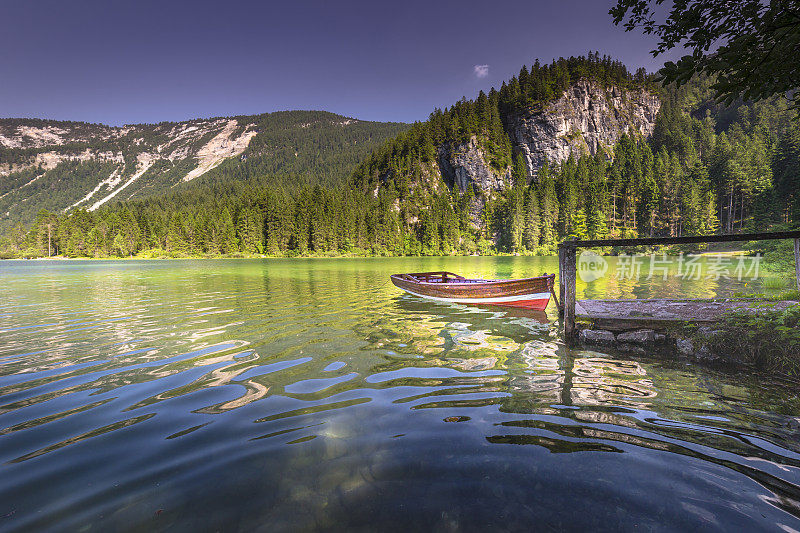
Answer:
(163, 395)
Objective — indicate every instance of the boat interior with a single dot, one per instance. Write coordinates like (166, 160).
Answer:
(440, 277)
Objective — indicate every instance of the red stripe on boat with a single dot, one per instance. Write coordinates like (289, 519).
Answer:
(539, 305)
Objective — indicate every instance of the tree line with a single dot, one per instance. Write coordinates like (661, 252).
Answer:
(706, 168)
(321, 145)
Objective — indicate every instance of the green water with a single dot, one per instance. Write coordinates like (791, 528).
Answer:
(312, 395)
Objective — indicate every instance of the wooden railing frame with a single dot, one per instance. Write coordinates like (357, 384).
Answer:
(567, 261)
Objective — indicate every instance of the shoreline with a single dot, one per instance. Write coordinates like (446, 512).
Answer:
(338, 256)
(195, 257)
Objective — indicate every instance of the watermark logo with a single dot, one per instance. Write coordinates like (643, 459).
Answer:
(591, 266)
(689, 267)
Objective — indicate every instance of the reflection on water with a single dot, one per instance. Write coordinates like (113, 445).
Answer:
(310, 394)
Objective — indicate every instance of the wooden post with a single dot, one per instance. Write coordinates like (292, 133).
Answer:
(797, 261)
(568, 285)
(561, 280)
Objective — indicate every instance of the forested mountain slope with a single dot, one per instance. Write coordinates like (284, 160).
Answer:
(548, 115)
(580, 147)
(58, 166)
(583, 148)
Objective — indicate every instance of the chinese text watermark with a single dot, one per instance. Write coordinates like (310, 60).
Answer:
(592, 266)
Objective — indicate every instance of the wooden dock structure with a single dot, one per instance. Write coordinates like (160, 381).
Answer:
(619, 315)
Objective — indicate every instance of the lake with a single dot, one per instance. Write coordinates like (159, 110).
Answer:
(311, 394)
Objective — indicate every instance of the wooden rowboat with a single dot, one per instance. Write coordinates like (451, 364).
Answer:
(528, 293)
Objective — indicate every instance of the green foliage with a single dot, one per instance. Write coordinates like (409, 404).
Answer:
(746, 44)
(778, 255)
(743, 335)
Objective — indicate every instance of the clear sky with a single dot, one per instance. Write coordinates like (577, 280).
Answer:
(120, 62)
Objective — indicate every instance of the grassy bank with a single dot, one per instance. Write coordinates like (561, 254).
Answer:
(769, 340)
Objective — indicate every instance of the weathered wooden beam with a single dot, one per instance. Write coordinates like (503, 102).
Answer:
(568, 301)
(739, 237)
(561, 280)
(797, 261)
(663, 314)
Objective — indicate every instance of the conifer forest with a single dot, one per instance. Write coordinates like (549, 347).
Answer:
(706, 168)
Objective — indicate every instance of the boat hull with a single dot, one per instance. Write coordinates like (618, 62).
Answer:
(529, 293)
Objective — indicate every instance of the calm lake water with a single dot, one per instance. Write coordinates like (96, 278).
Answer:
(311, 394)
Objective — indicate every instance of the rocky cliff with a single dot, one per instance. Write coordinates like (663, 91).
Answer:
(587, 117)
(466, 163)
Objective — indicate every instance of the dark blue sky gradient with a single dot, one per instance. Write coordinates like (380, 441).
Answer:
(146, 61)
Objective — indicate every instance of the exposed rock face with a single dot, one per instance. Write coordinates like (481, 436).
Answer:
(209, 142)
(39, 134)
(587, 117)
(465, 164)
(60, 165)
(224, 145)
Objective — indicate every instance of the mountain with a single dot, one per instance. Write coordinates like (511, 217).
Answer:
(58, 166)
(587, 119)
(577, 148)
(546, 116)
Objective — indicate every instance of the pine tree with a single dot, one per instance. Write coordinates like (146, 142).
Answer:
(301, 233)
(578, 225)
(176, 242)
(130, 231)
(548, 207)
(249, 231)
(532, 231)
(787, 174)
(120, 245)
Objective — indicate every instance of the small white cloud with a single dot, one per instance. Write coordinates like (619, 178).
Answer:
(481, 71)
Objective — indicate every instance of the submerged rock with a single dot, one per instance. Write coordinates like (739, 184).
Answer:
(685, 346)
(478, 363)
(705, 354)
(631, 348)
(707, 331)
(641, 336)
(597, 336)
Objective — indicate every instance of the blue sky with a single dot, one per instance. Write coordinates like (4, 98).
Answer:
(138, 61)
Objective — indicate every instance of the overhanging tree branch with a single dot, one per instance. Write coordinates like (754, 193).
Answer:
(749, 45)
